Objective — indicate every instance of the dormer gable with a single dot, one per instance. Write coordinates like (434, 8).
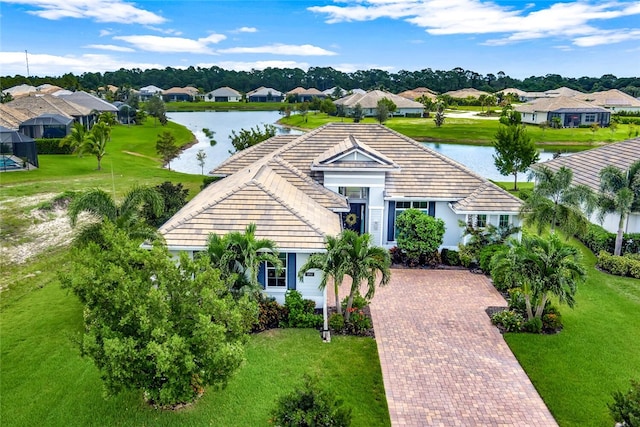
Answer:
(351, 153)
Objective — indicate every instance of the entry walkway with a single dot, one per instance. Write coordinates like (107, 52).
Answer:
(443, 363)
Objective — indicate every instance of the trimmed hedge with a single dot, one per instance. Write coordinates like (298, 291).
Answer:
(52, 146)
(627, 265)
(598, 239)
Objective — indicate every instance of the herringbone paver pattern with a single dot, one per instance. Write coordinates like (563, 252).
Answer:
(443, 362)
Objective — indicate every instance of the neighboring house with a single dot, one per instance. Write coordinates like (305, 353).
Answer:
(48, 88)
(562, 91)
(299, 189)
(305, 95)
(369, 103)
(148, 92)
(11, 118)
(20, 90)
(14, 147)
(571, 112)
(89, 101)
(466, 93)
(419, 93)
(180, 94)
(265, 94)
(332, 91)
(521, 95)
(47, 126)
(37, 105)
(223, 94)
(586, 167)
(613, 99)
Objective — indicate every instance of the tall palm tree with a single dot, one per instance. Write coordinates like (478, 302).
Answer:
(239, 255)
(331, 263)
(363, 262)
(619, 194)
(126, 215)
(96, 142)
(541, 267)
(77, 138)
(555, 201)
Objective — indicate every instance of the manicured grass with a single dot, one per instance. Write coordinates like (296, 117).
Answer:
(46, 382)
(225, 106)
(597, 353)
(131, 159)
(474, 131)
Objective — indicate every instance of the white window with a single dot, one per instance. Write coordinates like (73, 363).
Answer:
(403, 206)
(354, 192)
(589, 118)
(277, 279)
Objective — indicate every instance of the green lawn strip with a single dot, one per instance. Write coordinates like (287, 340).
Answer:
(131, 159)
(224, 106)
(46, 382)
(598, 351)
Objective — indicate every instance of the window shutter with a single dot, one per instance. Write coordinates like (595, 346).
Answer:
(391, 221)
(432, 209)
(262, 274)
(291, 271)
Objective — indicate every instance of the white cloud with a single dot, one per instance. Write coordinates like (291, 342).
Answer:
(106, 32)
(110, 47)
(173, 44)
(98, 10)
(282, 49)
(575, 20)
(255, 65)
(246, 30)
(54, 65)
(607, 37)
(171, 31)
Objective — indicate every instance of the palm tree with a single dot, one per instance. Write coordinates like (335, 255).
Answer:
(77, 138)
(331, 263)
(96, 142)
(239, 255)
(363, 262)
(619, 194)
(555, 201)
(126, 215)
(541, 267)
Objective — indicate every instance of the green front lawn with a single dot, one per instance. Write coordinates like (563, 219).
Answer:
(597, 353)
(46, 382)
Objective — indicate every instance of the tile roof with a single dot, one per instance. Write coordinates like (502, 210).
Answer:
(264, 91)
(466, 92)
(370, 100)
(558, 104)
(89, 101)
(256, 194)
(586, 165)
(252, 154)
(334, 157)
(34, 106)
(488, 197)
(10, 117)
(612, 97)
(224, 91)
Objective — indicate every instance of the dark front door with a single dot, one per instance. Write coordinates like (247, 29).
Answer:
(355, 219)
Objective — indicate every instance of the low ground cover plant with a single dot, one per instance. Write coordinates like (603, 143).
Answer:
(625, 408)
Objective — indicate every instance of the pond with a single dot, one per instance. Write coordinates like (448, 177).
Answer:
(477, 158)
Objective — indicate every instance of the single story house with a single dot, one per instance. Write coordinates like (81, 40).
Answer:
(419, 93)
(20, 90)
(298, 189)
(572, 112)
(301, 94)
(11, 118)
(223, 94)
(265, 94)
(369, 103)
(147, 92)
(37, 105)
(613, 99)
(521, 95)
(16, 146)
(465, 93)
(47, 126)
(336, 90)
(180, 94)
(586, 167)
(89, 101)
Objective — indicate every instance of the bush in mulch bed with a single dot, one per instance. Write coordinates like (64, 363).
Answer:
(513, 318)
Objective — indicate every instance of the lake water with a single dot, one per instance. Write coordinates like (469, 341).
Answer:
(477, 158)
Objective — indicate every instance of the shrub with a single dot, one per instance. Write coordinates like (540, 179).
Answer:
(625, 408)
(450, 257)
(310, 406)
(300, 311)
(270, 314)
(516, 300)
(418, 234)
(598, 239)
(359, 302)
(336, 322)
(628, 265)
(52, 146)
(509, 320)
(533, 326)
(397, 257)
(359, 323)
(466, 256)
(485, 255)
(551, 320)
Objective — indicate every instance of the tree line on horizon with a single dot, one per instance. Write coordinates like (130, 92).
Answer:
(323, 78)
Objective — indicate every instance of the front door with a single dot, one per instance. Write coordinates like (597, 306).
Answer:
(355, 219)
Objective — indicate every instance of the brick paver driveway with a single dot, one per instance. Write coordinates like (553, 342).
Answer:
(443, 362)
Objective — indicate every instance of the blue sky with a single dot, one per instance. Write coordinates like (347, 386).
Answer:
(520, 38)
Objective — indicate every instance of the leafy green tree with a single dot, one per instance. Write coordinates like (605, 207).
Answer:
(238, 257)
(77, 138)
(167, 329)
(166, 147)
(141, 116)
(357, 113)
(337, 93)
(107, 118)
(509, 116)
(156, 109)
(363, 262)
(418, 234)
(541, 267)
(384, 108)
(96, 142)
(200, 157)
(515, 151)
(174, 197)
(619, 194)
(331, 263)
(328, 107)
(554, 201)
(438, 119)
(310, 406)
(249, 138)
(303, 109)
(126, 216)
